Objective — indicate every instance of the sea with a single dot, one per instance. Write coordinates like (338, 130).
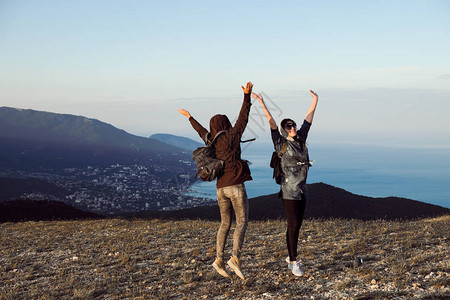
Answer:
(421, 174)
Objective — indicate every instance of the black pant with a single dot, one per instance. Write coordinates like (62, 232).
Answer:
(294, 214)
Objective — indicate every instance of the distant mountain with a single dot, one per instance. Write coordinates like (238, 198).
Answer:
(32, 138)
(177, 141)
(31, 210)
(325, 201)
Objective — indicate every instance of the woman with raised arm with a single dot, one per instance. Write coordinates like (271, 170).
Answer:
(231, 192)
(290, 145)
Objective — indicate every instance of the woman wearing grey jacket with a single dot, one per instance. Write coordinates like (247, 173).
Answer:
(290, 144)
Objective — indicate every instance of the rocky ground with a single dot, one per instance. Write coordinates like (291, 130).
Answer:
(155, 259)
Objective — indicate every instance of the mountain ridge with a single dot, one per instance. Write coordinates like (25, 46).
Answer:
(28, 123)
(21, 210)
(14, 188)
(178, 141)
(30, 136)
(324, 201)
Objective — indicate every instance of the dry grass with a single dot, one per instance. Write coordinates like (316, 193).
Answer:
(154, 259)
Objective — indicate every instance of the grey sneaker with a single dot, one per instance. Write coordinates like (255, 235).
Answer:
(220, 267)
(235, 265)
(296, 268)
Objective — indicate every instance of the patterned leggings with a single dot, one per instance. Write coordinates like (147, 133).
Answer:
(229, 198)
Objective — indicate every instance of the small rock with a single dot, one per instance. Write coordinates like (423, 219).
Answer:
(358, 261)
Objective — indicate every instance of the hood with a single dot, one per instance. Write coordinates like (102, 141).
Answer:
(218, 123)
(282, 131)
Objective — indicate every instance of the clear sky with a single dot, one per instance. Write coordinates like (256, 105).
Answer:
(381, 68)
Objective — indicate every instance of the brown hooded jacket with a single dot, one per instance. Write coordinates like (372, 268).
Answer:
(228, 146)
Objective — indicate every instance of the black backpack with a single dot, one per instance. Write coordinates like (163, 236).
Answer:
(208, 166)
(275, 163)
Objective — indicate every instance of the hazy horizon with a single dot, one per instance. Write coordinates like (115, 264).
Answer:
(382, 70)
(415, 172)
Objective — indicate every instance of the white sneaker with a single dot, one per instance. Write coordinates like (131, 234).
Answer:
(296, 268)
(288, 260)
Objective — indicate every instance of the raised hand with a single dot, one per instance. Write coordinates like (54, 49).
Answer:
(310, 114)
(248, 88)
(258, 97)
(184, 113)
(314, 95)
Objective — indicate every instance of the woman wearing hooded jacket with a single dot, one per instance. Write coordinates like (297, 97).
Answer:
(294, 165)
(231, 192)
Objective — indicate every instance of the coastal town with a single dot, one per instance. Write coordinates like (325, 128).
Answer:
(120, 188)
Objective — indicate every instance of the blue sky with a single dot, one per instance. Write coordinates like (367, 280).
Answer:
(381, 68)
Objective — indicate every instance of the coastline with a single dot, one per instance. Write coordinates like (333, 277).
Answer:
(360, 169)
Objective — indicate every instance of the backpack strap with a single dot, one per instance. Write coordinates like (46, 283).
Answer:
(217, 135)
(283, 149)
(205, 139)
(250, 140)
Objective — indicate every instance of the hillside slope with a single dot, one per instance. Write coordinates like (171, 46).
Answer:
(325, 201)
(31, 210)
(32, 138)
(13, 188)
(177, 141)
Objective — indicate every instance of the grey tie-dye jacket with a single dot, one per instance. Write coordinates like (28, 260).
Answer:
(295, 161)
